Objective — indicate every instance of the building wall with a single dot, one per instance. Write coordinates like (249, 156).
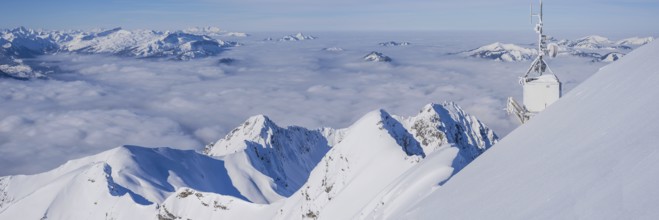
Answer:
(540, 94)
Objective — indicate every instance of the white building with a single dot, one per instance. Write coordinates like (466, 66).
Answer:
(540, 92)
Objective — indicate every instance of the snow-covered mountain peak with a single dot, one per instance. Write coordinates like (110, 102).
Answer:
(502, 52)
(393, 44)
(260, 170)
(594, 39)
(295, 37)
(257, 128)
(440, 124)
(399, 133)
(592, 42)
(376, 57)
(270, 162)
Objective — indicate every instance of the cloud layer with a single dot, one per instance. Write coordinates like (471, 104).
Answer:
(98, 102)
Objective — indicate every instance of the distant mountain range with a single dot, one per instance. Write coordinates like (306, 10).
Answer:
(293, 37)
(597, 48)
(21, 43)
(260, 170)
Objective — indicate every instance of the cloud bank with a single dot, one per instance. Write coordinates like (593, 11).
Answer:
(94, 102)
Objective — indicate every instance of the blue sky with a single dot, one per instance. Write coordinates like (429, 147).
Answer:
(320, 15)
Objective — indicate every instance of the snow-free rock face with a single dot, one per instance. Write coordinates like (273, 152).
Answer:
(502, 52)
(376, 57)
(582, 158)
(332, 174)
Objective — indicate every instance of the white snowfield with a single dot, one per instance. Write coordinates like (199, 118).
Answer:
(591, 155)
(380, 165)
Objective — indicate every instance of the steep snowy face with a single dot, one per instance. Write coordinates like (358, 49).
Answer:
(261, 170)
(439, 125)
(124, 181)
(502, 52)
(591, 155)
(268, 162)
(359, 174)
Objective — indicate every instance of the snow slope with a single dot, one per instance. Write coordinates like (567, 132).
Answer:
(367, 163)
(373, 159)
(125, 182)
(591, 155)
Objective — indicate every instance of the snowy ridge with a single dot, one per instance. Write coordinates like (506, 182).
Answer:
(285, 156)
(502, 52)
(147, 43)
(590, 43)
(122, 182)
(19, 43)
(635, 41)
(357, 164)
(371, 155)
(293, 37)
(582, 158)
(213, 32)
(594, 47)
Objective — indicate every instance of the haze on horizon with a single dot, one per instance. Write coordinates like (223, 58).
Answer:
(602, 17)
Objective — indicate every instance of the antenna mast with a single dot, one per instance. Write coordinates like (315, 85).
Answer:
(539, 90)
(539, 66)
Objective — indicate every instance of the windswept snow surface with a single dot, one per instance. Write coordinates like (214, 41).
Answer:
(591, 155)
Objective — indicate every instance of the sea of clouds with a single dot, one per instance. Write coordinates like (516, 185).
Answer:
(94, 102)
